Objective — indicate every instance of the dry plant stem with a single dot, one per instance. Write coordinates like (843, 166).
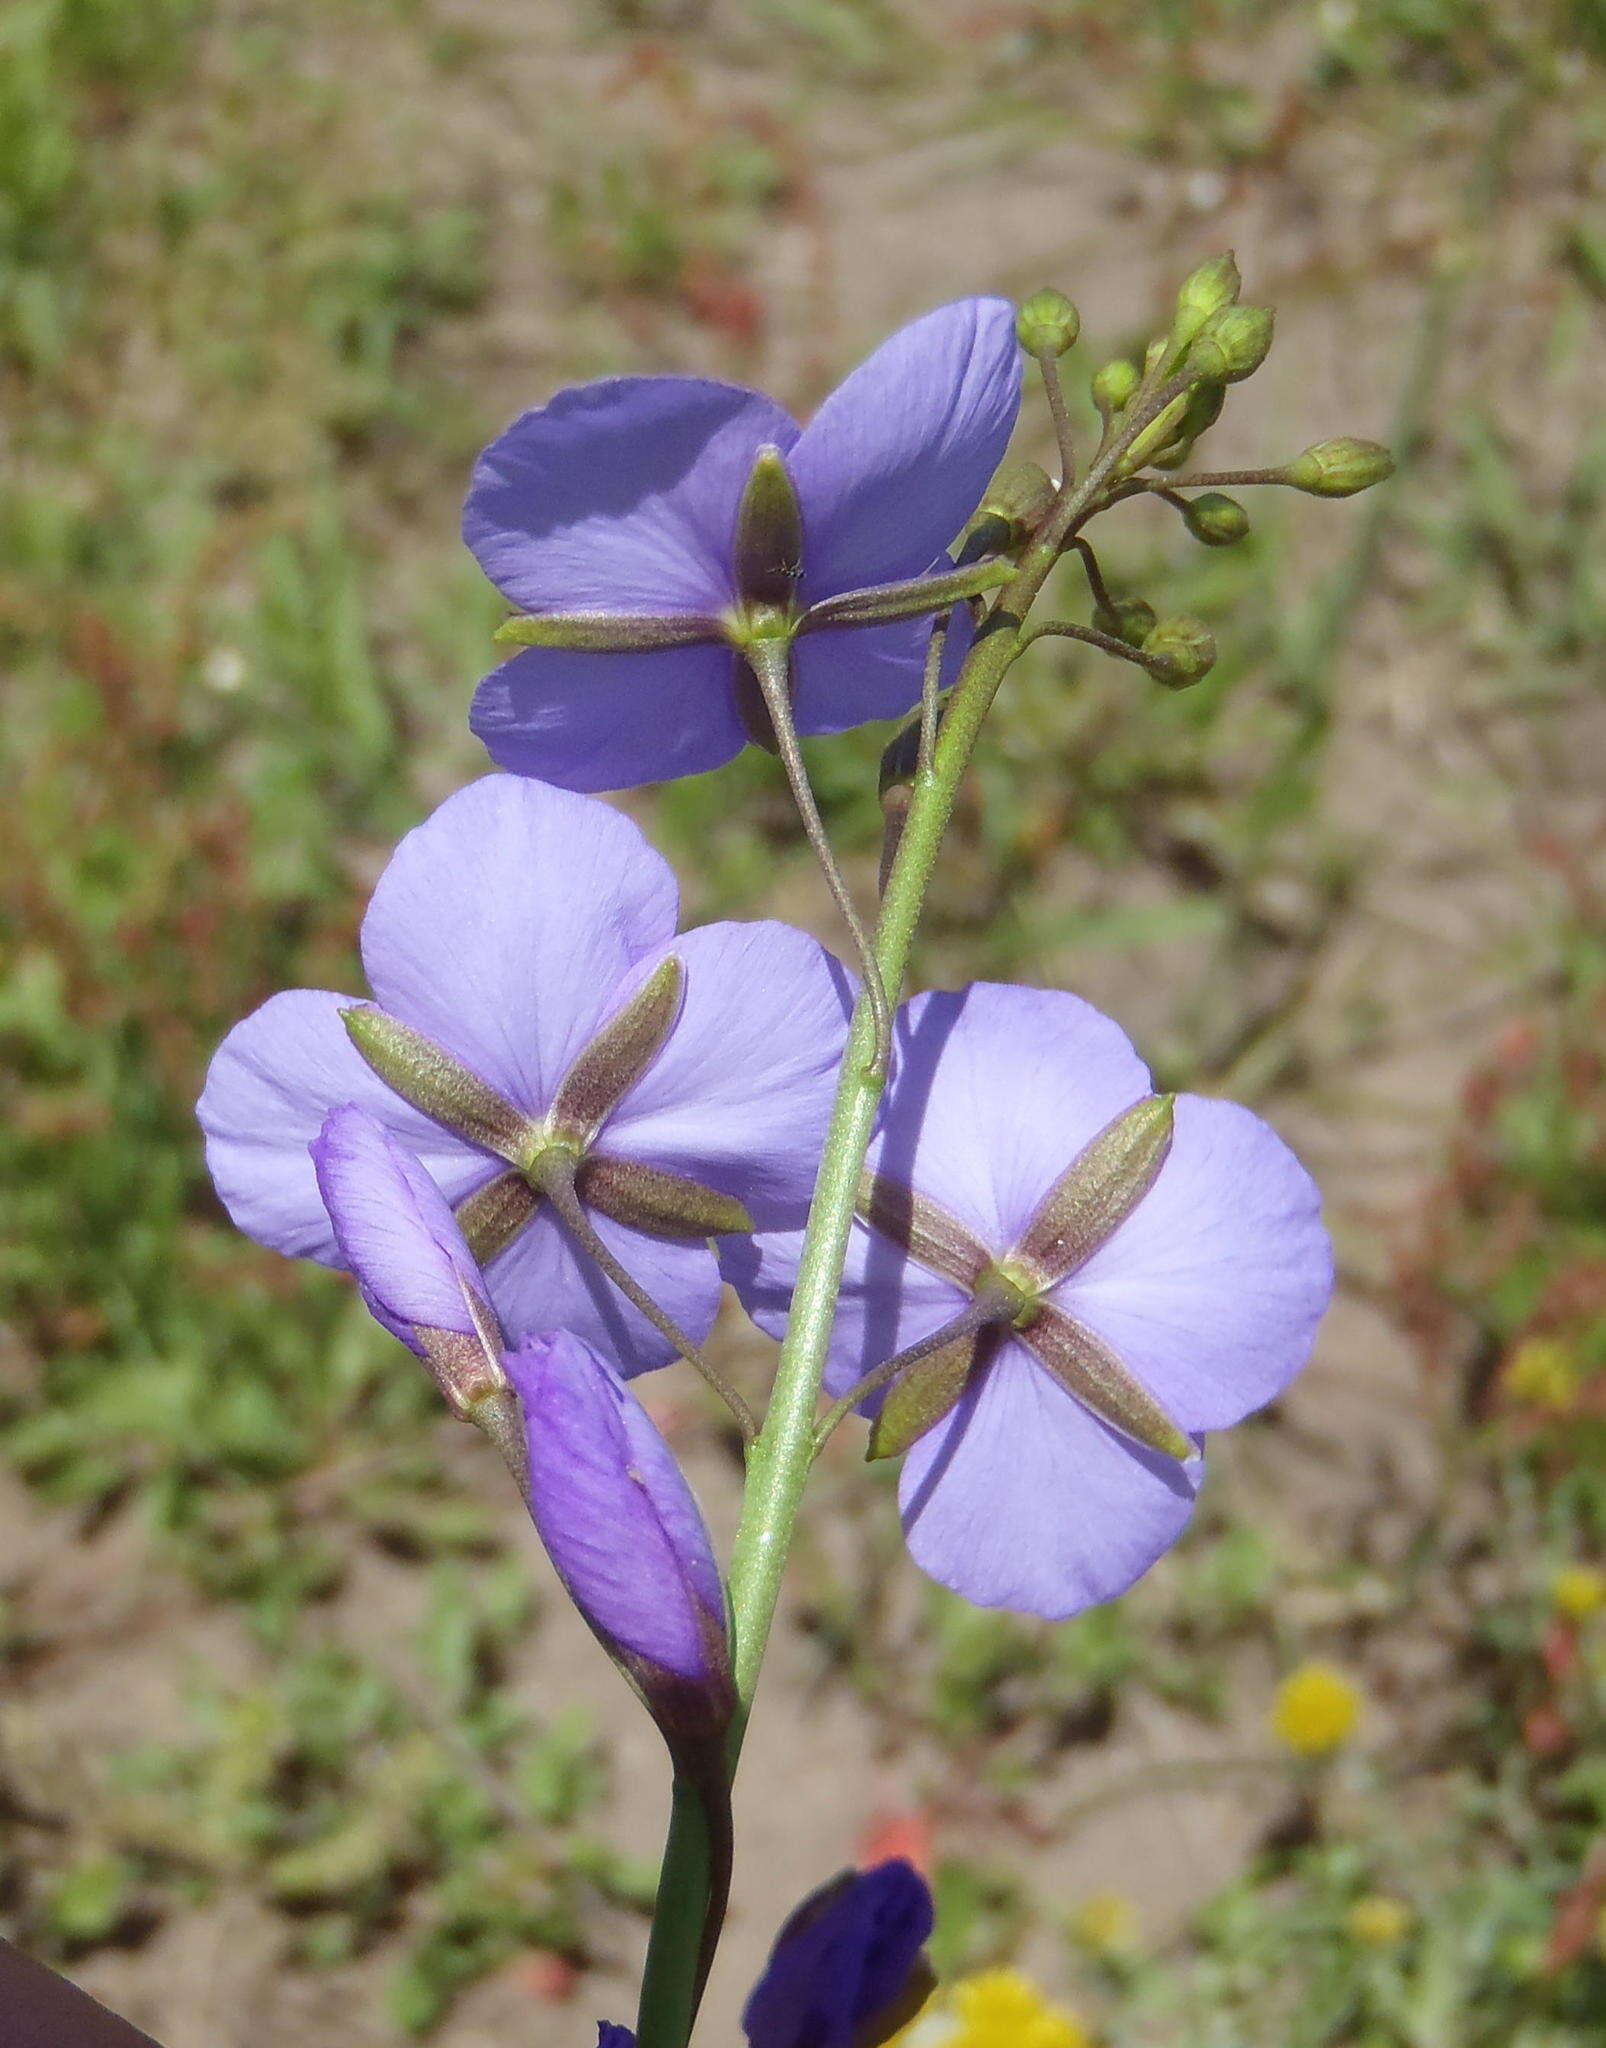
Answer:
(555, 1175)
(771, 663)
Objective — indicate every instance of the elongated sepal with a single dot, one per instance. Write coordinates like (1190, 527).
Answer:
(1098, 1191)
(1216, 520)
(1161, 431)
(1339, 468)
(1232, 344)
(1087, 1368)
(606, 632)
(768, 544)
(887, 602)
(919, 1399)
(493, 1215)
(1179, 651)
(1047, 323)
(432, 1080)
(622, 1051)
(662, 1204)
(929, 1234)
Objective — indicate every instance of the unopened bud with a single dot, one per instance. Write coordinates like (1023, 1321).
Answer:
(1232, 344)
(1211, 287)
(769, 534)
(1021, 498)
(1179, 651)
(1131, 619)
(1216, 520)
(1114, 385)
(1340, 468)
(1047, 323)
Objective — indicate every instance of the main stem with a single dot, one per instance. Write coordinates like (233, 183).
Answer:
(779, 1458)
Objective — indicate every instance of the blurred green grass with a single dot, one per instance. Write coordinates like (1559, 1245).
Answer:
(238, 638)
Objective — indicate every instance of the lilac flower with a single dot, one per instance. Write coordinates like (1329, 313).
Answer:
(621, 1527)
(535, 1015)
(847, 1970)
(607, 1498)
(1126, 1271)
(620, 513)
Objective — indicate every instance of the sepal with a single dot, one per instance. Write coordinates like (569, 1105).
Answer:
(436, 1082)
(606, 1070)
(606, 632)
(1089, 1370)
(1099, 1190)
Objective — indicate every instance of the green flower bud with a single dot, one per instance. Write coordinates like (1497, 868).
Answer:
(1114, 385)
(1131, 620)
(1021, 498)
(1179, 651)
(1213, 286)
(1216, 519)
(1232, 344)
(1047, 323)
(1340, 468)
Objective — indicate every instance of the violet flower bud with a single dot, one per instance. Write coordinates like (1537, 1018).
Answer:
(624, 1533)
(846, 1970)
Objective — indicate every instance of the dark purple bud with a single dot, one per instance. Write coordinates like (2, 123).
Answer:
(846, 1970)
(940, 1242)
(1086, 1367)
(1099, 1190)
(493, 1215)
(426, 1075)
(768, 546)
(662, 1204)
(607, 632)
(931, 1388)
(624, 1533)
(621, 1052)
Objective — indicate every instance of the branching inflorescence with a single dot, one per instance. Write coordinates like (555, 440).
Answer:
(558, 1124)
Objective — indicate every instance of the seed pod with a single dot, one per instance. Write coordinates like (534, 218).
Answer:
(1210, 288)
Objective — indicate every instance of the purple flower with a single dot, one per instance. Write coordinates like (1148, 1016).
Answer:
(847, 1969)
(1134, 1271)
(534, 1011)
(608, 1501)
(619, 501)
(621, 1526)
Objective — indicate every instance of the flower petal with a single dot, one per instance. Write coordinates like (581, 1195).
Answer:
(896, 459)
(848, 675)
(993, 1093)
(844, 1959)
(505, 922)
(1022, 1499)
(615, 1513)
(271, 1084)
(620, 496)
(610, 721)
(394, 1228)
(886, 1302)
(740, 1096)
(1212, 1288)
(543, 1282)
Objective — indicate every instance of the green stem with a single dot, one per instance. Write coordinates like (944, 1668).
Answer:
(688, 1909)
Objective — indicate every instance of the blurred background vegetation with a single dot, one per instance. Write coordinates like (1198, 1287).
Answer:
(297, 1742)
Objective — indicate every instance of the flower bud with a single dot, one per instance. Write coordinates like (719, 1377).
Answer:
(1021, 498)
(1047, 323)
(848, 1967)
(1179, 651)
(1114, 385)
(1216, 520)
(1132, 619)
(1339, 468)
(1232, 344)
(1213, 286)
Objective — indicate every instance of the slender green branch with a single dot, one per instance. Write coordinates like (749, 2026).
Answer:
(1062, 629)
(1095, 575)
(1048, 365)
(693, 1892)
(771, 663)
(556, 1177)
(931, 693)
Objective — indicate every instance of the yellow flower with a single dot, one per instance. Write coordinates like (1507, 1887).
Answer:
(1316, 1710)
(1105, 1923)
(1377, 1921)
(1543, 1370)
(1578, 1591)
(994, 2009)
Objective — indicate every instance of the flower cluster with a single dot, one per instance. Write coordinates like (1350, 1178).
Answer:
(558, 1124)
